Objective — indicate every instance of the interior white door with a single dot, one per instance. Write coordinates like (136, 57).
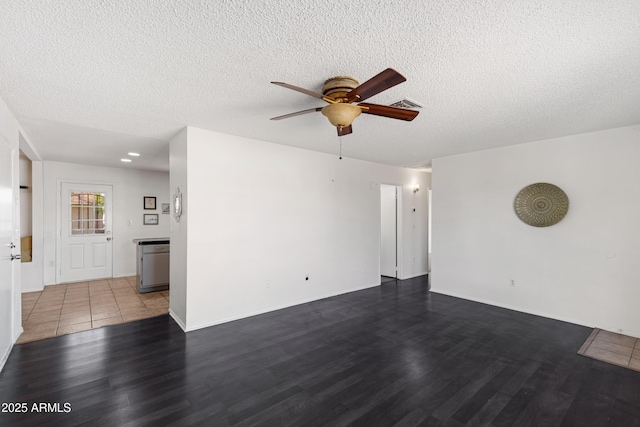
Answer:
(7, 278)
(85, 249)
(388, 230)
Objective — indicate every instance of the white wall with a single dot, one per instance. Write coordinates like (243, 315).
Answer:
(583, 269)
(263, 216)
(179, 250)
(129, 188)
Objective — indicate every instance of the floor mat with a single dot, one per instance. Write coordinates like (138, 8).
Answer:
(617, 349)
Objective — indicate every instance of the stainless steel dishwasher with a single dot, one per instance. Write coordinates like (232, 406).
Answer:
(152, 272)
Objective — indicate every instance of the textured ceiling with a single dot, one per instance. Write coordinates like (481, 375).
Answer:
(91, 80)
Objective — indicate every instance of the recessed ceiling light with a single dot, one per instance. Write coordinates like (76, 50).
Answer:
(126, 160)
(134, 154)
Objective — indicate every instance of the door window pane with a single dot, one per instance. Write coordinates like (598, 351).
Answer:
(87, 213)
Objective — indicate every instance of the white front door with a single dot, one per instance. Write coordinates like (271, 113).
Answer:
(6, 249)
(85, 232)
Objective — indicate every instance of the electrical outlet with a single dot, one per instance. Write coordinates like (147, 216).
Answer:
(513, 282)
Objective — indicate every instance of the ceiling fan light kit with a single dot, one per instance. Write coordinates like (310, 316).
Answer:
(341, 115)
(342, 91)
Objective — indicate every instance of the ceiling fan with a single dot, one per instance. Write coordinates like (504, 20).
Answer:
(341, 93)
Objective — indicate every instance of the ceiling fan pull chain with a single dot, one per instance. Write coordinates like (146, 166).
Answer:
(340, 139)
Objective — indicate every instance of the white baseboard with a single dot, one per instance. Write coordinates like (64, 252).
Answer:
(5, 357)
(270, 309)
(17, 333)
(424, 273)
(514, 308)
(24, 289)
(76, 281)
(609, 328)
(179, 321)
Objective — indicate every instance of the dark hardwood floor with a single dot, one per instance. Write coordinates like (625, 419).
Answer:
(393, 355)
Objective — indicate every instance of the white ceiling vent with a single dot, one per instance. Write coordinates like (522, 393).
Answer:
(406, 103)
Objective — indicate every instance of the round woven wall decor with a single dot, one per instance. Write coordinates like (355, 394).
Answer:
(541, 204)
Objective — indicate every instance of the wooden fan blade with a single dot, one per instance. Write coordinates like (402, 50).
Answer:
(383, 81)
(386, 111)
(345, 130)
(300, 89)
(297, 113)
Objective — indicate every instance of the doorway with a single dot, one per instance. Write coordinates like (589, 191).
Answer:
(389, 219)
(86, 221)
(9, 248)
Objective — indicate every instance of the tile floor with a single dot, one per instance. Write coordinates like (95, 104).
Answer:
(74, 307)
(617, 349)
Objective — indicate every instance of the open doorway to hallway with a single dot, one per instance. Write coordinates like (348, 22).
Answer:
(389, 208)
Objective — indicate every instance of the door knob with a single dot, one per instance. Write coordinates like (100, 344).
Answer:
(14, 257)
(108, 238)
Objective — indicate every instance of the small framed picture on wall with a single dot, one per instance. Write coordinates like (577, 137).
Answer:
(150, 203)
(166, 208)
(150, 219)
